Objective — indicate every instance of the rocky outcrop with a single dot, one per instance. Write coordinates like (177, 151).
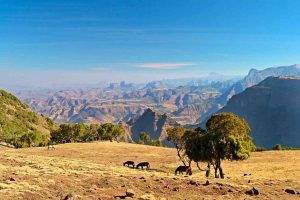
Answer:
(152, 123)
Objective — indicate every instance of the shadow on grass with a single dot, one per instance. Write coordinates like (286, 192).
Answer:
(120, 197)
(155, 170)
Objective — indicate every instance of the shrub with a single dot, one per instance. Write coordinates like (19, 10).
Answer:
(258, 149)
(156, 143)
(277, 147)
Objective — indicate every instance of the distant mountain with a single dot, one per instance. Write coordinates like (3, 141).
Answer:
(272, 109)
(17, 119)
(152, 123)
(254, 77)
(125, 101)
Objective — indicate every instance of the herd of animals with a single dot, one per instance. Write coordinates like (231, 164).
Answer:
(180, 169)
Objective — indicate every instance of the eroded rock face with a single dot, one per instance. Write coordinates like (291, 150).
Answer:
(272, 109)
(153, 124)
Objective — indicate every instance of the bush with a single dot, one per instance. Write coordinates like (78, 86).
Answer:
(277, 147)
(258, 149)
(156, 143)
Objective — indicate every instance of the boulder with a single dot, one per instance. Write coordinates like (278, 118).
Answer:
(130, 193)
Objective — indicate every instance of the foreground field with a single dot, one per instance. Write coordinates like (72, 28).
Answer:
(95, 171)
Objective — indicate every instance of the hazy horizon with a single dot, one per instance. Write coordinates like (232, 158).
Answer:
(67, 43)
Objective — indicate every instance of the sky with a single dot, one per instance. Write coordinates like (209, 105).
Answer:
(61, 42)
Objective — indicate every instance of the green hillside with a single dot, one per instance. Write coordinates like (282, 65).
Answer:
(20, 126)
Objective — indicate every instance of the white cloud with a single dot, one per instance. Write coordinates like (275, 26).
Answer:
(163, 65)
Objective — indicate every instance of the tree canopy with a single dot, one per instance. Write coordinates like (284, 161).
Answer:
(226, 137)
(79, 132)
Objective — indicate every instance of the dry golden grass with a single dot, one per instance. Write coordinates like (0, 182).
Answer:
(95, 171)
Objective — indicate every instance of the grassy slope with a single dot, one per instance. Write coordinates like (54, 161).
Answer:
(95, 170)
(16, 117)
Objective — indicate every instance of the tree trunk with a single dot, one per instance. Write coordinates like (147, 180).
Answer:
(199, 167)
(208, 170)
(216, 172)
(220, 170)
(178, 153)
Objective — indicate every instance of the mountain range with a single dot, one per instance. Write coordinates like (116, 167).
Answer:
(126, 101)
(154, 107)
(253, 77)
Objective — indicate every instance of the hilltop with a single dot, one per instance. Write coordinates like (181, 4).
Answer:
(272, 109)
(94, 170)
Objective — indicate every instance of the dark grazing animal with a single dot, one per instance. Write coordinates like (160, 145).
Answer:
(182, 169)
(143, 164)
(128, 163)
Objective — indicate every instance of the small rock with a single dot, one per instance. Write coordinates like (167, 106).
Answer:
(176, 189)
(230, 190)
(123, 186)
(249, 192)
(245, 174)
(220, 184)
(206, 183)
(130, 193)
(12, 179)
(191, 182)
(149, 186)
(70, 196)
(290, 191)
(249, 181)
(253, 191)
(142, 177)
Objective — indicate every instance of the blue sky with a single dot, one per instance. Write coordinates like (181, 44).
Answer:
(72, 41)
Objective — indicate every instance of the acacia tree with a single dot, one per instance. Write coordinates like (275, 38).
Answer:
(226, 137)
(175, 136)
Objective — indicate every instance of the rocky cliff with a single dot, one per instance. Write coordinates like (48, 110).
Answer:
(254, 77)
(152, 123)
(272, 109)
